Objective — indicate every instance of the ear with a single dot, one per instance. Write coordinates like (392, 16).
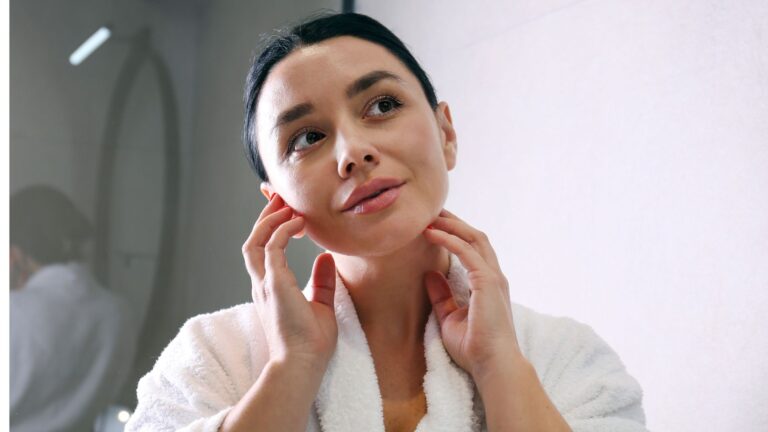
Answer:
(449, 144)
(267, 190)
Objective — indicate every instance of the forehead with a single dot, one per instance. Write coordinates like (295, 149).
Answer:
(316, 72)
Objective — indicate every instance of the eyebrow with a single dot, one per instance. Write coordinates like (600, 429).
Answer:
(358, 86)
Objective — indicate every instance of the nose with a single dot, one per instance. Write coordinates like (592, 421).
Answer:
(355, 153)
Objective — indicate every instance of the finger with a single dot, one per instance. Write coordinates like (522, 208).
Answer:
(264, 228)
(323, 280)
(440, 295)
(476, 238)
(468, 256)
(274, 260)
(300, 234)
(253, 248)
(492, 253)
(275, 203)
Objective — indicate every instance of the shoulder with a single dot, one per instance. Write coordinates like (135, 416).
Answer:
(540, 335)
(216, 336)
(226, 346)
(207, 367)
(551, 343)
(583, 375)
(235, 320)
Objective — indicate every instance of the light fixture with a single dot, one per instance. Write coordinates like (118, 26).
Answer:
(123, 416)
(89, 46)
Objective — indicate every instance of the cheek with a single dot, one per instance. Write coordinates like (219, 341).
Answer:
(422, 153)
(422, 146)
(304, 194)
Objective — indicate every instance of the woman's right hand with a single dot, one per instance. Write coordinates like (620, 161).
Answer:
(296, 329)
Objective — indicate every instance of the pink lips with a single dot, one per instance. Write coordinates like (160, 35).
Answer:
(379, 202)
(373, 195)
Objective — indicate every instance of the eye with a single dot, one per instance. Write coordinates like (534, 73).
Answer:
(304, 139)
(383, 105)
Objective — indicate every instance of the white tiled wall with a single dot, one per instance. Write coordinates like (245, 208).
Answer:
(616, 152)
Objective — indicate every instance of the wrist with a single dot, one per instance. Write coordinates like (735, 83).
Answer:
(298, 365)
(292, 382)
(515, 399)
(502, 369)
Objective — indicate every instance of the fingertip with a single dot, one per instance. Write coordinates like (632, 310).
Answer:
(324, 279)
(273, 205)
(301, 233)
(297, 225)
(327, 257)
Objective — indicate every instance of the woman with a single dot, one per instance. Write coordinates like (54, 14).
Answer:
(71, 340)
(344, 129)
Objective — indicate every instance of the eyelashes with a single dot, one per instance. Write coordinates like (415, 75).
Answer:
(394, 102)
(304, 138)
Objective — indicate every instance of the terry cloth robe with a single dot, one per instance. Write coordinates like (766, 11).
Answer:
(72, 344)
(216, 357)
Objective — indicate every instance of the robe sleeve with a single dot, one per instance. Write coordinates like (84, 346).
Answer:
(189, 389)
(584, 377)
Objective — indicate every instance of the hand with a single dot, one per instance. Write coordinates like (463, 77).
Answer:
(481, 335)
(295, 329)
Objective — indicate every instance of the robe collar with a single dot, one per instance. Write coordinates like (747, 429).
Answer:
(349, 399)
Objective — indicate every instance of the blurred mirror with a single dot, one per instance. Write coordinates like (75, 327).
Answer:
(130, 195)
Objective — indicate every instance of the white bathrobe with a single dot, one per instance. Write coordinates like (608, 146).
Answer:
(216, 357)
(72, 344)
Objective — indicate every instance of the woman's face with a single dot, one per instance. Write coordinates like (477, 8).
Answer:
(322, 132)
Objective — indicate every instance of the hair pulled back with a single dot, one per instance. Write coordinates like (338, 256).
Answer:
(47, 226)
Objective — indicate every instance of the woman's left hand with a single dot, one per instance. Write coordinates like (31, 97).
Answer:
(481, 335)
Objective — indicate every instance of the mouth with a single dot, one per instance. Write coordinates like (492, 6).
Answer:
(375, 194)
(371, 190)
(376, 201)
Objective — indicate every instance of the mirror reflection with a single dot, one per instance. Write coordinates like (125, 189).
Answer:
(115, 106)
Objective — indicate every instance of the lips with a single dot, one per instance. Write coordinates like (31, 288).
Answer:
(370, 189)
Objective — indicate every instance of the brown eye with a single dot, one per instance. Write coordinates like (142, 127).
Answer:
(313, 137)
(383, 106)
(305, 140)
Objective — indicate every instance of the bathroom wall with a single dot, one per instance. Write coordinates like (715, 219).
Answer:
(616, 153)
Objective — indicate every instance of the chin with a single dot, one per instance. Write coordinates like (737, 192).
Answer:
(380, 239)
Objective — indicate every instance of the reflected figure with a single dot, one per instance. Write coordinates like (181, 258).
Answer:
(71, 345)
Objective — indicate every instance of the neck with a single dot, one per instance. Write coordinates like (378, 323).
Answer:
(388, 291)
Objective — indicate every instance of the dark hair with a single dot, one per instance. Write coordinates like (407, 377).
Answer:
(46, 225)
(311, 32)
